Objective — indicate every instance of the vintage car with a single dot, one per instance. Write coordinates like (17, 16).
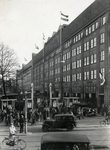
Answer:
(65, 141)
(60, 121)
(89, 112)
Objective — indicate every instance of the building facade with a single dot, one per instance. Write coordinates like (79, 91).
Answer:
(76, 59)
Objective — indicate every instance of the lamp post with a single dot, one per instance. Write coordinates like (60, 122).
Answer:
(50, 87)
(25, 94)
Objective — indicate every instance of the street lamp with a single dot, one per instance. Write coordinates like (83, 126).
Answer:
(50, 87)
(25, 94)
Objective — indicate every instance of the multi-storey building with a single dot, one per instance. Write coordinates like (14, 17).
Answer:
(73, 58)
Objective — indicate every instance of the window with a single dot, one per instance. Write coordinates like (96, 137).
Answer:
(68, 55)
(78, 50)
(95, 59)
(93, 42)
(91, 59)
(89, 30)
(102, 55)
(93, 28)
(87, 75)
(87, 45)
(103, 71)
(74, 52)
(64, 57)
(79, 76)
(86, 31)
(68, 67)
(92, 74)
(102, 38)
(103, 20)
(74, 77)
(97, 24)
(87, 60)
(84, 75)
(68, 78)
(95, 74)
(64, 68)
(73, 65)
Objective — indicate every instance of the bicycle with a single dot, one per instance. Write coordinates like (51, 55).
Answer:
(104, 123)
(16, 142)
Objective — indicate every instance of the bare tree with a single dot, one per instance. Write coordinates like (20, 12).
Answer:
(8, 64)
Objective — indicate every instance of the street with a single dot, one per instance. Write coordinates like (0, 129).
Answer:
(89, 126)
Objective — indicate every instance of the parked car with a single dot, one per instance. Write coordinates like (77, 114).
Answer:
(60, 121)
(89, 112)
(65, 141)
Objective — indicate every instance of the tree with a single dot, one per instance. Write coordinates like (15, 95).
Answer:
(8, 63)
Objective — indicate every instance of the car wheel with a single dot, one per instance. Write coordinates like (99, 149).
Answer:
(44, 128)
(69, 127)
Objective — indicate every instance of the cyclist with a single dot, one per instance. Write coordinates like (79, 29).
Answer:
(12, 132)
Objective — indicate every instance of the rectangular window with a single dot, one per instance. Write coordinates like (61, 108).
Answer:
(74, 77)
(87, 60)
(74, 52)
(89, 30)
(87, 75)
(95, 59)
(87, 45)
(84, 75)
(73, 65)
(102, 38)
(95, 74)
(95, 42)
(103, 20)
(68, 78)
(68, 67)
(84, 46)
(79, 76)
(86, 31)
(97, 24)
(92, 43)
(68, 55)
(103, 71)
(102, 55)
(91, 59)
(64, 68)
(92, 74)
(93, 28)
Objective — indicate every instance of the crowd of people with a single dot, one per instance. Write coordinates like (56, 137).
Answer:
(34, 116)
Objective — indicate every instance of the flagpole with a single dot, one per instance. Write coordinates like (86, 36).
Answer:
(61, 63)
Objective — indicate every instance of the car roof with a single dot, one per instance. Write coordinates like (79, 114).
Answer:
(64, 137)
(64, 115)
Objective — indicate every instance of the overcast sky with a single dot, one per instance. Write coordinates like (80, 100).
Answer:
(23, 22)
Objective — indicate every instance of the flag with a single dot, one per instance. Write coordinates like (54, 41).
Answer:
(25, 59)
(43, 36)
(102, 79)
(36, 46)
(64, 17)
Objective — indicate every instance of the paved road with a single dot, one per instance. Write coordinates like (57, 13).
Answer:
(89, 126)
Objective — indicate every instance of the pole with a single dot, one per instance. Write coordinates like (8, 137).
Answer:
(61, 65)
(32, 94)
(25, 112)
(50, 86)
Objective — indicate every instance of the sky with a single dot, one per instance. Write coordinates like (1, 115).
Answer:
(23, 22)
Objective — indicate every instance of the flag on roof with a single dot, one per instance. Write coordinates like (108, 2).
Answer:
(64, 17)
(36, 46)
(25, 59)
(43, 36)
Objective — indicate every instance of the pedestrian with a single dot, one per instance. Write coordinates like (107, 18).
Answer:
(21, 123)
